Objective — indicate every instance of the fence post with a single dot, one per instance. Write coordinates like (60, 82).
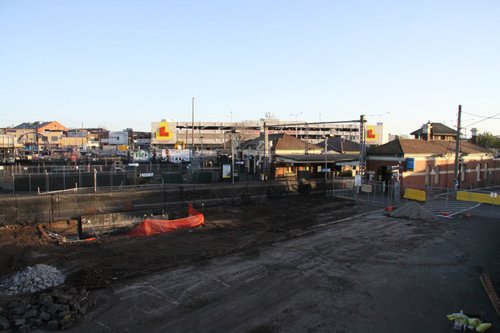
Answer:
(47, 185)
(13, 183)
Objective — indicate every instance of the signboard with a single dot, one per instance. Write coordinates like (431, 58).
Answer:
(371, 134)
(357, 180)
(178, 155)
(146, 175)
(226, 171)
(163, 132)
(366, 188)
(410, 164)
(76, 134)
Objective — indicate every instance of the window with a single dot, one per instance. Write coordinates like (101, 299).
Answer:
(462, 172)
(436, 175)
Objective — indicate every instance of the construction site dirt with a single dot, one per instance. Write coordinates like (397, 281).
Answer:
(293, 264)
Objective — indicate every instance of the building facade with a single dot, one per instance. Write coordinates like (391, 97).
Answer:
(422, 163)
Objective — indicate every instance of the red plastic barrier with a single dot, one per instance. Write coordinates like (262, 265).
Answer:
(150, 227)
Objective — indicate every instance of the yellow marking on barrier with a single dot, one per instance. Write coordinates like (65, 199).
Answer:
(478, 197)
(414, 194)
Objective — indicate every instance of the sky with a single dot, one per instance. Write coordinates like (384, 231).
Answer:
(124, 64)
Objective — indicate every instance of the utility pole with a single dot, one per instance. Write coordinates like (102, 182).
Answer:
(266, 151)
(232, 156)
(326, 160)
(192, 126)
(362, 146)
(456, 173)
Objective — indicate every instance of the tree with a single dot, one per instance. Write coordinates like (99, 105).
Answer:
(488, 140)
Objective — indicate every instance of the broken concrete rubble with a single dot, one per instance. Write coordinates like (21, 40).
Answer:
(50, 310)
(32, 279)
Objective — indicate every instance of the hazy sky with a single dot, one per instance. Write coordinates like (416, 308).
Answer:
(123, 64)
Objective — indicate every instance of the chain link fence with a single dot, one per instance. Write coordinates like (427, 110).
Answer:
(147, 199)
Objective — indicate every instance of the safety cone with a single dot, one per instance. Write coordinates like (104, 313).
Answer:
(389, 208)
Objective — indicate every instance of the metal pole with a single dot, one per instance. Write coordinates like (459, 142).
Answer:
(326, 163)
(456, 171)
(232, 157)
(362, 146)
(266, 151)
(192, 126)
(326, 151)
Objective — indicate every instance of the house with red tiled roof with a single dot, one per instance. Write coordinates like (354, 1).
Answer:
(340, 145)
(421, 163)
(289, 156)
(434, 131)
(279, 144)
(46, 134)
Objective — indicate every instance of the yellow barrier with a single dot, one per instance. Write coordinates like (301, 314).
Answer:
(413, 194)
(478, 197)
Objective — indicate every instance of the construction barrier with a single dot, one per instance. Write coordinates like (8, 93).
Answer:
(489, 198)
(151, 226)
(413, 194)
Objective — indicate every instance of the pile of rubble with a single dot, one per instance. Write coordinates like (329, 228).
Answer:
(32, 279)
(413, 211)
(58, 309)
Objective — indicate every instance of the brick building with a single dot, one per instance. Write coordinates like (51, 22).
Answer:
(419, 163)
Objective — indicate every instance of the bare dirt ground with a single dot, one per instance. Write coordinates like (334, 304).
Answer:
(285, 265)
(227, 229)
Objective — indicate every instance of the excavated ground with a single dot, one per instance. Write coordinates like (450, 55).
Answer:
(227, 229)
(281, 265)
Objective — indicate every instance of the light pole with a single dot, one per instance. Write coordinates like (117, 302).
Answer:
(296, 127)
(232, 155)
(201, 152)
(326, 158)
(192, 126)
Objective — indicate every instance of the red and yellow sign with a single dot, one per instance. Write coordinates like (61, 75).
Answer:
(371, 134)
(163, 132)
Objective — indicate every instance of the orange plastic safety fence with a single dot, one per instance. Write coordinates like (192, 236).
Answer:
(150, 227)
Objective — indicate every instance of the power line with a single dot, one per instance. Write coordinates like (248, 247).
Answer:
(478, 115)
(492, 117)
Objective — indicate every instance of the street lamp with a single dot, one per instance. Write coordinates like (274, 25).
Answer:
(296, 127)
(327, 136)
(201, 153)
(232, 155)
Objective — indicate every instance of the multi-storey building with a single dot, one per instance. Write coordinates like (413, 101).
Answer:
(208, 135)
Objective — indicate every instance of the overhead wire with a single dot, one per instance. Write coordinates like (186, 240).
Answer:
(492, 117)
(478, 115)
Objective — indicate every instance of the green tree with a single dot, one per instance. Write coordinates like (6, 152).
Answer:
(488, 140)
